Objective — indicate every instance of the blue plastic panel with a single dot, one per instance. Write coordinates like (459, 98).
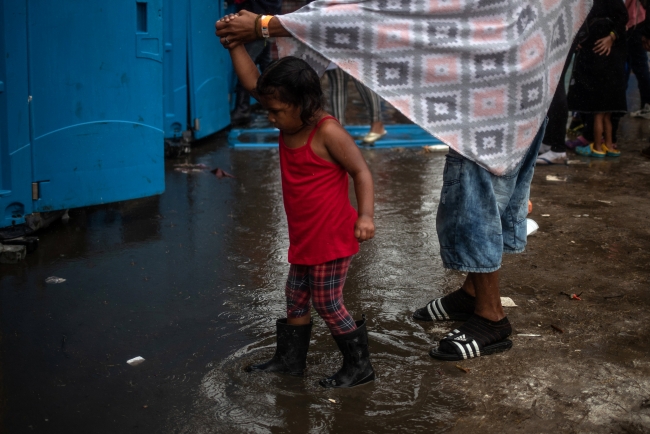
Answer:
(210, 70)
(398, 136)
(175, 68)
(97, 117)
(15, 149)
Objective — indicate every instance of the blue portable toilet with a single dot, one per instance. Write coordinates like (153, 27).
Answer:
(15, 144)
(197, 70)
(210, 70)
(175, 119)
(81, 120)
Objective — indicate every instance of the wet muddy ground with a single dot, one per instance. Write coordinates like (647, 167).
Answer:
(192, 281)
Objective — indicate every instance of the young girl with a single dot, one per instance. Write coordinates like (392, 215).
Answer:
(598, 83)
(316, 157)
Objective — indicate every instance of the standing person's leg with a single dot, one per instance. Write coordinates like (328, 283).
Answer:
(607, 131)
(594, 132)
(599, 129)
(614, 151)
(485, 288)
(338, 93)
(480, 217)
(558, 114)
(293, 332)
(326, 282)
(637, 59)
(373, 104)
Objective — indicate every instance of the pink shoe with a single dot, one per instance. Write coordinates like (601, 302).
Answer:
(580, 141)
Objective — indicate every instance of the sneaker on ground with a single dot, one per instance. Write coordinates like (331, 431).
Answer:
(551, 157)
(543, 148)
(643, 113)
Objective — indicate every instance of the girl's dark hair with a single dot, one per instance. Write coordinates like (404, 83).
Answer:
(294, 82)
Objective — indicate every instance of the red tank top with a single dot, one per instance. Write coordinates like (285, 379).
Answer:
(320, 216)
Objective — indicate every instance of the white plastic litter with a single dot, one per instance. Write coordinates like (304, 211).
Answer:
(135, 361)
(556, 178)
(507, 302)
(54, 279)
(531, 227)
(529, 335)
(546, 215)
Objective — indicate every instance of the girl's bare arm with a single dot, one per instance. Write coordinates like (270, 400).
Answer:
(345, 152)
(244, 68)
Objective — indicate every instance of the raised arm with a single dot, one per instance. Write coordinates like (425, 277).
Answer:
(244, 68)
(241, 28)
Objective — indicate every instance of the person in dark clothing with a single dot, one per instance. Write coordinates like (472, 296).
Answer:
(637, 57)
(557, 114)
(259, 51)
(644, 30)
(598, 84)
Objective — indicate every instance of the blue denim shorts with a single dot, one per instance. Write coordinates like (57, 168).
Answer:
(481, 215)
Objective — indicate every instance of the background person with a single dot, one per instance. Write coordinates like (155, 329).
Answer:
(598, 84)
(338, 80)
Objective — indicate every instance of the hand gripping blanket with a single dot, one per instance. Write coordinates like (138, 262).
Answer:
(477, 74)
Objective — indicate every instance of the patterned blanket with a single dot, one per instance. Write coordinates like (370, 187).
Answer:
(477, 74)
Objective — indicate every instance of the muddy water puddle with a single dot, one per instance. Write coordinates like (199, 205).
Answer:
(392, 274)
(193, 281)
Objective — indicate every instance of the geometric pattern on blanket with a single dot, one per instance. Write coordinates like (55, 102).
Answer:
(477, 74)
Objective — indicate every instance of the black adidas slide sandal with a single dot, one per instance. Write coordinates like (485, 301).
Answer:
(434, 311)
(464, 347)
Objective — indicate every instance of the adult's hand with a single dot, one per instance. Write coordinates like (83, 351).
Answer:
(237, 28)
(604, 45)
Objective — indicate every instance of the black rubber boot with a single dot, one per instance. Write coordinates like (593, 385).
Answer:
(356, 367)
(242, 112)
(290, 352)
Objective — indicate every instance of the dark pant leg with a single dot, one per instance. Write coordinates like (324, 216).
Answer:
(558, 113)
(616, 119)
(637, 60)
(370, 99)
(338, 93)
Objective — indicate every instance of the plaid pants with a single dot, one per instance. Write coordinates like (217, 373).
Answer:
(321, 285)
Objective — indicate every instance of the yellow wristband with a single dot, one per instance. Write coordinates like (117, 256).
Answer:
(265, 25)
